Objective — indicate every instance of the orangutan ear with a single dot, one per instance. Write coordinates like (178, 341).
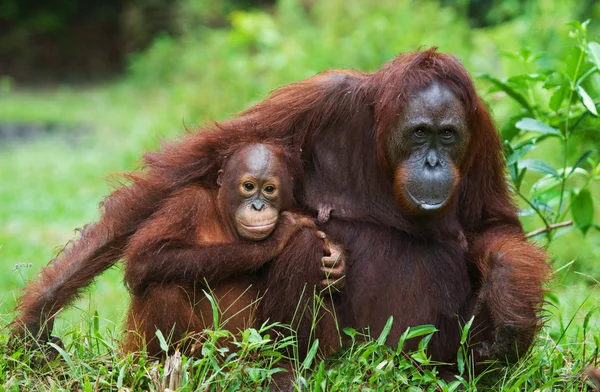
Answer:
(219, 177)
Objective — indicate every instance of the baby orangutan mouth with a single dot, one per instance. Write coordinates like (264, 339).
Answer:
(256, 230)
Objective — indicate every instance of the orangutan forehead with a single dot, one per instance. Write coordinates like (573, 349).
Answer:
(434, 103)
(257, 159)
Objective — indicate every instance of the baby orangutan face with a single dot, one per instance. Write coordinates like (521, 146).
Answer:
(255, 186)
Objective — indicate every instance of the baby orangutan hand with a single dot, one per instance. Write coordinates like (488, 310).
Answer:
(290, 223)
(297, 221)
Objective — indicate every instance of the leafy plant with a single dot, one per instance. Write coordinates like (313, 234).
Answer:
(555, 106)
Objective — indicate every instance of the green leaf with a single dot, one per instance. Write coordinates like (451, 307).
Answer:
(532, 125)
(562, 231)
(413, 332)
(423, 343)
(120, 378)
(511, 92)
(454, 385)
(87, 385)
(312, 353)
(581, 161)
(350, 332)
(545, 185)
(551, 297)
(518, 154)
(65, 355)
(532, 77)
(542, 206)
(578, 25)
(460, 361)
(254, 337)
(513, 170)
(557, 98)
(512, 55)
(386, 331)
(96, 323)
(508, 149)
(214, 307)
(465, 331)
(582, 208)
(525, 55)
(556, 79)
(538, 166)
(162, 341)
(594, 53)
(536, 56)
(421, 330)
(320, 378)
(585, 23)
(531, 140)
(522, 79)
(520, 179)
(509, 131)
(588, 102)
(586, 319)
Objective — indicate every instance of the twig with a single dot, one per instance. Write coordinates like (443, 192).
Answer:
(549, 228)
(537, 211)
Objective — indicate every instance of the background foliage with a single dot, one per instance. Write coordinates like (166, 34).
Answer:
(201, 60)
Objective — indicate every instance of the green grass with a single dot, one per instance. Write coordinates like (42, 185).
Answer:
(91, 361)
(51, 184)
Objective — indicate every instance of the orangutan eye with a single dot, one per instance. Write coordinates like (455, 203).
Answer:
(269, 189)
(447, 133)
(419, 132)
(249, 186)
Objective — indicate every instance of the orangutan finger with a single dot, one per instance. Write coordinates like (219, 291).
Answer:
(335, 284)
(331, 261)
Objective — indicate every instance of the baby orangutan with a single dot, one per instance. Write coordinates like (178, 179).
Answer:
(225, 240)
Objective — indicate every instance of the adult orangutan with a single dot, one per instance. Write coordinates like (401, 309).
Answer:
(407, 165)
(220, 241)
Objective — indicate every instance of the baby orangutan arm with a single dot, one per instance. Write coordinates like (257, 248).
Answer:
(167, 247)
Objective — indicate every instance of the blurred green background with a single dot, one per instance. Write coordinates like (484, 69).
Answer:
(86, 89)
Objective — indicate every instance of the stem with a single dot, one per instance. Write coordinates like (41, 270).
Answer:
(567, 209)
(585, 75)
(578, 106)
(564, 173)
(579, 120)
(548, 228)
(535, 113)
(537, 211)
(566, 140)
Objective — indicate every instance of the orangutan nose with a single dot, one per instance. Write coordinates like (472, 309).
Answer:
(258, 205)
(432, 159)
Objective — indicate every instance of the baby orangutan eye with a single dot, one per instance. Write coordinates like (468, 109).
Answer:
(249, 186)
(269, 189)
